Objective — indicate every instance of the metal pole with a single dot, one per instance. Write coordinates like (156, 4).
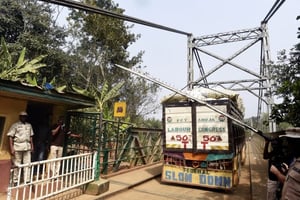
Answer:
(190, 69)
(266, 70)
(117, 140)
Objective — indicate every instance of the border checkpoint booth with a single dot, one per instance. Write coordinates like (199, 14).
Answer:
(38, 103)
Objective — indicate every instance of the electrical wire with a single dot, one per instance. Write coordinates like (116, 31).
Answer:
(93, 9)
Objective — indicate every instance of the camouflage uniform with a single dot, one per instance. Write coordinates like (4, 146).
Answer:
(291, 187)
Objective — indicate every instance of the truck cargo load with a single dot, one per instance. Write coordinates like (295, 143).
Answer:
(203, 147)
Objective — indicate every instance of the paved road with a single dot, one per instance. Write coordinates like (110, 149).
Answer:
(252, 183)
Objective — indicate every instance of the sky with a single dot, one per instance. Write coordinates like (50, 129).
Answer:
(165, 54)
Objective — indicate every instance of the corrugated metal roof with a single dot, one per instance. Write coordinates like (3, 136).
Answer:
(18, 90)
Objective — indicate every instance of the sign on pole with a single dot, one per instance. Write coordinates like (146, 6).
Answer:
(120, 109)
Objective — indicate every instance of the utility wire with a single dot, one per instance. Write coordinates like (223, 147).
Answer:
(272, 11)
(93, 9)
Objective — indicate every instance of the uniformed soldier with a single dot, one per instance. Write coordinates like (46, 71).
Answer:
(291, 187)
(21, 145)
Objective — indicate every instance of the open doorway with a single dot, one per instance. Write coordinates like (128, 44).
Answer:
(39, 115)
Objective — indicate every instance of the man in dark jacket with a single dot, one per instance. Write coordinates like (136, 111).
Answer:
(291, 187)
(58, 132)
(277, 167)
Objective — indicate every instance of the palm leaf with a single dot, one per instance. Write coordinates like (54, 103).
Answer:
(5, 56)
(115, 91)
(23, 67)
(44, 82)
(60, 89)
(30, 67)
(104, 90)
(80, 91)
(31, 80)
(21, 60)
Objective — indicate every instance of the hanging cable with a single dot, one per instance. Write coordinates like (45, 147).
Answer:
(93, 9)
(272, 11)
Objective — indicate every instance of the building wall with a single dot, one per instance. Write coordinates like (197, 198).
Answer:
(9, 110)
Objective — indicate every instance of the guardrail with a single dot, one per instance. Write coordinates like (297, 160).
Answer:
(131, 148)
(116, 145)
(76, 171)
(120, 144)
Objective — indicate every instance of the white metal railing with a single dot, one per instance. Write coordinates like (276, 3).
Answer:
(75, 171)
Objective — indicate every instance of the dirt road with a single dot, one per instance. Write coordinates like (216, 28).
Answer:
(252, 183)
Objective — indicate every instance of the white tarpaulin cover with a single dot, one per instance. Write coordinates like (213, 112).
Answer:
(206, 94)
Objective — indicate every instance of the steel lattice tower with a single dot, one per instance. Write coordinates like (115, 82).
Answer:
(261, 86)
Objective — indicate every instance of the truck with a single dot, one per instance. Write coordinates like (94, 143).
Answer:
(201, 146)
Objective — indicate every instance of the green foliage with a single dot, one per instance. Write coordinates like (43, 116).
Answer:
(11, 20)
(106, 94)
(102, 41)
(152, 123)
(83, 63)
(287, 80)
(30, 24)
(24, 70)
(102, 95)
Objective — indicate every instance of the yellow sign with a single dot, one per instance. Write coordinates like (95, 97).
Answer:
(120, 109)
(198, 177)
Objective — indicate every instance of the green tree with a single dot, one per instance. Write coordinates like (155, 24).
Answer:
(23, 70)
(153, 123)
(11, 20)
(99, 42)
(29, 24)
(95, 42)
(101, 95)
(287, 79)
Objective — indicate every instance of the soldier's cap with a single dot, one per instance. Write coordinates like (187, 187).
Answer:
(23, 113)
(293, 132)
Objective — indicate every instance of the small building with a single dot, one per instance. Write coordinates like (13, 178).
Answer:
(40, 105)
